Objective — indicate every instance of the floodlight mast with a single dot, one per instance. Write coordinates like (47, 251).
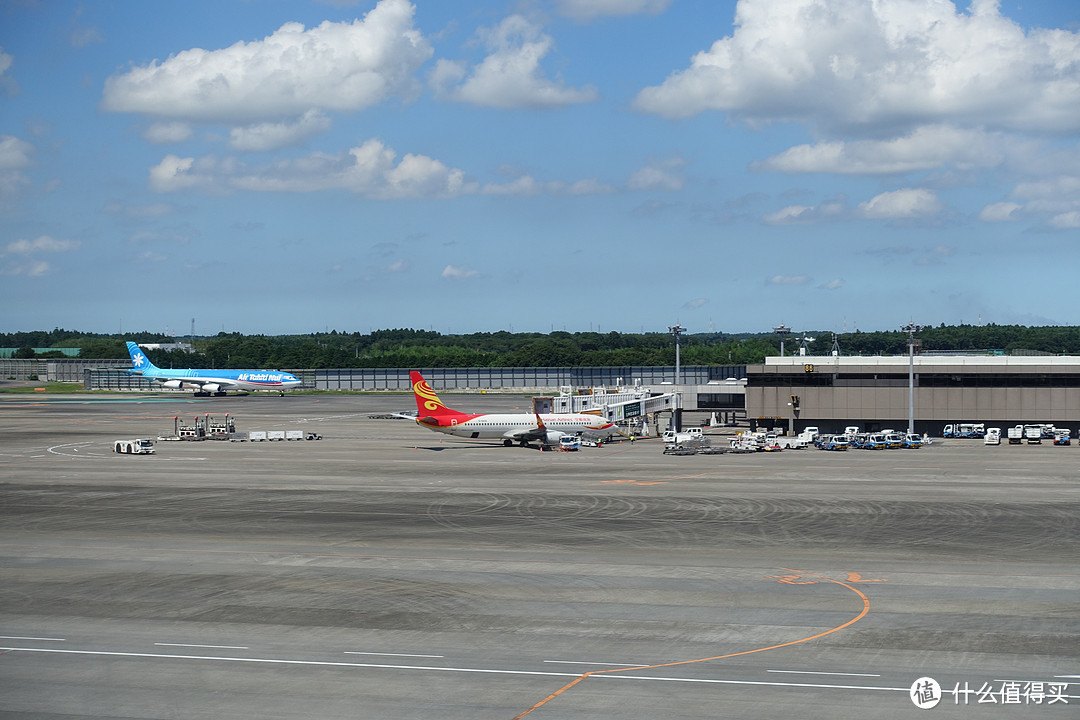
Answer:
(783, 331)
(911, 328)
(677, 330)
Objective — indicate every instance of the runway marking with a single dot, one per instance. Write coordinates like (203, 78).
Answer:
(19, 637)
(357, 652)
(434, 668)
(816, 672)
(865, 610)
(577, 662)
(218, 647)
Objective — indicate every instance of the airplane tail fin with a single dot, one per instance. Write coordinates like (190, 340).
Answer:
(430, 409)
(138, 358)
(427, 402)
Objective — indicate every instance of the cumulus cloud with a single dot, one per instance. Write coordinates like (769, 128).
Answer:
(1000, 212)
(696, 303)
(590, 9)
(271, 136)
(788, 280)
(1066, 221)
(29, 265)
(880, 66)
(41, 244)
(344, 66)
(510, 76)
(834, 284)
(904, 204)
(35, 268)
(15, 154)
(451, 272)
(6, 61)
(664, 175)
(925, 148)
(807, 214)
(371, 169)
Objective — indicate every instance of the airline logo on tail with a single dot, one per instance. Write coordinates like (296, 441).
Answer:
(426, 399)
(139, 360)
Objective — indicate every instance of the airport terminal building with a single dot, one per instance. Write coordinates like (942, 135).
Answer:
(872, 392)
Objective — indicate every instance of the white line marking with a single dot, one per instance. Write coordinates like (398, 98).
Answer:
(814, 672)
(219, 647)
(752, 682)
(357, 652)
(575, 662)
(19, 637)
(322, 663)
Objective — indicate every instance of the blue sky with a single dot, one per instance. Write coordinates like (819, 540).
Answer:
(537, 165)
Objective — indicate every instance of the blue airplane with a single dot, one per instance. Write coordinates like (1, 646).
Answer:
(206, 382)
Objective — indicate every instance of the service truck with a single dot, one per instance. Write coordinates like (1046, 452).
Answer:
(140, 446)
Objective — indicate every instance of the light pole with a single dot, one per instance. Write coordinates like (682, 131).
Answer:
(677, 330)
(783, 331)
(911, 328)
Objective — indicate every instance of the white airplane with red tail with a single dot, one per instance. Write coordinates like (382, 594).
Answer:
(522, 428)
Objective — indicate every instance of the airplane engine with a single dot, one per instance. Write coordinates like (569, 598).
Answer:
(552, 437)
(211, 387)
(173, 384)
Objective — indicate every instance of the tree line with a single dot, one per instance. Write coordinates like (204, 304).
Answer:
(406, 348)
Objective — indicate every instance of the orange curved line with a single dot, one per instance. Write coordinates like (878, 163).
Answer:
(852, 621)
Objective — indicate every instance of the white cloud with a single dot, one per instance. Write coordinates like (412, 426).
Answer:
(808, 214)
(6, 61)
(696, 303)
(41, 244)
(1000, 212)
(167, 133)
(905, 204)
(589, 9)
(371, 169)
(510, 77)
(880, 66)
(664, 175)
(334, 66)
(6, 81)
(458, 273)
(35, 268)
(924, 148)
(262, 137)
(835, 284)
(792, 215)
(788, 280)
(14, 153)
(1066, 221)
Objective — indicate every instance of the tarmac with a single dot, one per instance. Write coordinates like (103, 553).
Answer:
(387, 571)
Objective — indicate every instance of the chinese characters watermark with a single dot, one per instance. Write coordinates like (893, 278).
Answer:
(926, 693)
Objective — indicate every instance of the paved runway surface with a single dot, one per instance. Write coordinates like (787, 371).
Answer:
(389, 572)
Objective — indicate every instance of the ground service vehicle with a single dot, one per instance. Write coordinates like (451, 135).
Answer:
(140, 446)
(1016, 434)
(993, 436)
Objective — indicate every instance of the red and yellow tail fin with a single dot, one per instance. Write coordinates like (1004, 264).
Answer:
(427, 402)
(429, 408)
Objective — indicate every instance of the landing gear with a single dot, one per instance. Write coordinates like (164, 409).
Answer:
(508, 443)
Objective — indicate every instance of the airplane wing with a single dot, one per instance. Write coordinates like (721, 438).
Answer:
(525, 434)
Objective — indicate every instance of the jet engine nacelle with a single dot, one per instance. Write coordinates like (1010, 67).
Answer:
(552, 437)
(173, 384)
(211, 387)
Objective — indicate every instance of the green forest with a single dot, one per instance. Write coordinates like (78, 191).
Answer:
(405, 348)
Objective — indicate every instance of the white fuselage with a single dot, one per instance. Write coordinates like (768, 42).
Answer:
(510, 425)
